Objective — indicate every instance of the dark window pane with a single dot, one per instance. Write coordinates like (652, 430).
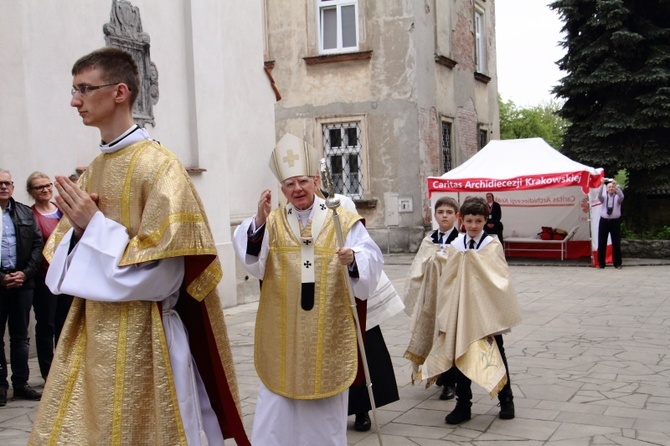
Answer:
(336, 164)
(353, 164)
(336, 172)
(482, 138)
(446, 146)
(354, 182)
(335, 138)
(352, 136)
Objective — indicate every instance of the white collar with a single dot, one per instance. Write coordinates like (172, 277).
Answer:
(476, 239)
(131, 136)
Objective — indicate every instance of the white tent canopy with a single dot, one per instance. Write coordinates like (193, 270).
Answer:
(535, 185)
(513, 165)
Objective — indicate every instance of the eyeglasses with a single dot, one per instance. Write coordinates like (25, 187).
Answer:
(83, 89)
(42, 187)
(7, 184)
(302, 182)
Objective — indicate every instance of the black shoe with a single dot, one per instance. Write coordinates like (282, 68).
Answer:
(27, 393)
(506, 409)
(448, 393)
(458, 415)
(3, 397)
(618, 267)
(362, 423)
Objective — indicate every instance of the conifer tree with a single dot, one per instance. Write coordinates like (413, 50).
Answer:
(617, 91)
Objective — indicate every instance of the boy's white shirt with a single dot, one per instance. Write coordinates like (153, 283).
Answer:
(461, 242)
(446, 234)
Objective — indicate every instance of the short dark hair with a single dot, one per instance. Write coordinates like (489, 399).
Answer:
(115, 65)
(475, 206)
(446, 201)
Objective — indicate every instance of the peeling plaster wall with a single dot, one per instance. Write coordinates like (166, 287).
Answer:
(401, 91)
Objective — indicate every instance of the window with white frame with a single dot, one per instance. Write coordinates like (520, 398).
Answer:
(480, 41)
(342, 147)
(338, 26)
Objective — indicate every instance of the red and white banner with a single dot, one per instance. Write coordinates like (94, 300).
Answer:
(527, 182)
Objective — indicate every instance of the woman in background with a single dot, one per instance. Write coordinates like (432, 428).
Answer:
(50, 310)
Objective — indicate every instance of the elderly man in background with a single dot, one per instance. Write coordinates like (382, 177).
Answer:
(20, 258)
(611, 197)
(305, 349)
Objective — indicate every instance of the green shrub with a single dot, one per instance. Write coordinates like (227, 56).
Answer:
(653, 233)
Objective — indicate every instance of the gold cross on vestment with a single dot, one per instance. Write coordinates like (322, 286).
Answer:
(290, 158)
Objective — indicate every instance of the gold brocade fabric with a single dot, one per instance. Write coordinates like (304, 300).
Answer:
(464, 298)
(303, 354)
(144, 188)
(483, 364)
(111, 381)
(412, 294)
(305, 231)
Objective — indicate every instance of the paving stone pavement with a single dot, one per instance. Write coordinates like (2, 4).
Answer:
(590, 365)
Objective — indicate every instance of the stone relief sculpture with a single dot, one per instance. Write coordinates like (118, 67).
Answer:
(124, 30)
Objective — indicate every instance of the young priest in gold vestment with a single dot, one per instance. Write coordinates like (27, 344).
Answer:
(143, 357)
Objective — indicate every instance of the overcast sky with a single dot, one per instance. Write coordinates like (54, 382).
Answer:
(527, 36)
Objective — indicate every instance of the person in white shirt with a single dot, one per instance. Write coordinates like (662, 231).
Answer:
(609, 225)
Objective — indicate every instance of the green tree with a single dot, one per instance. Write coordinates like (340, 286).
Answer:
(617, 91)
(539, 121)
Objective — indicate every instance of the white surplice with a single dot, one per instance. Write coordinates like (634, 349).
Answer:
(384, 302)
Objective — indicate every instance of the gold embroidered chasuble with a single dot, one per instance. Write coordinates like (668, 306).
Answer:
(111, 380)
(465, 297)
(412, 295)
(305, 354)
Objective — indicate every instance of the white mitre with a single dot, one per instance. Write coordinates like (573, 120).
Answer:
(293, 157)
